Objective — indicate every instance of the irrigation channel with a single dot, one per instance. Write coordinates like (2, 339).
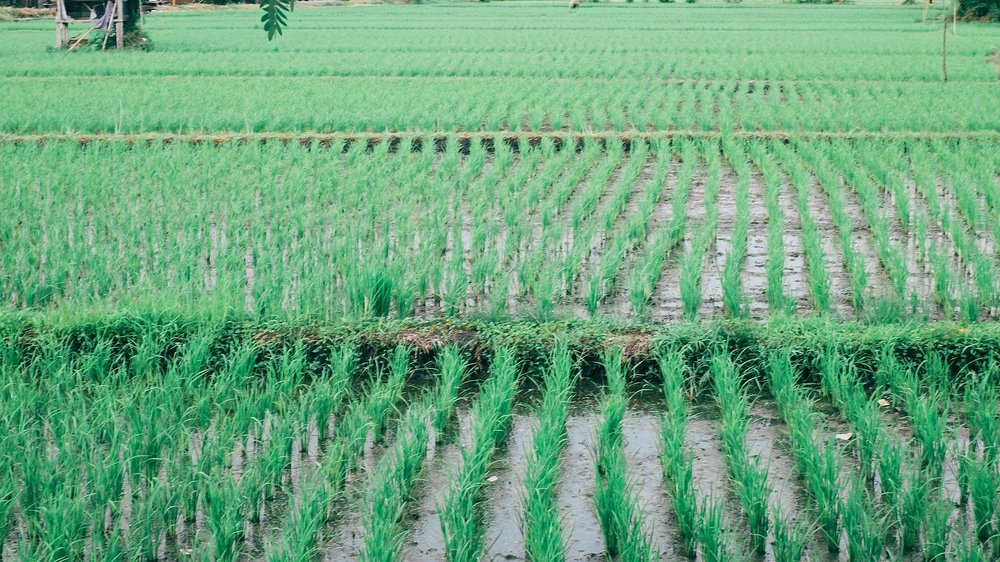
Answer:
(167, 449)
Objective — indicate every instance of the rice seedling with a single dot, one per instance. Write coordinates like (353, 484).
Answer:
(451, 366)
(390, 488)
(820, 468)
(677, 461)
(824, 483)
(890, 471)
(789, 539)
(733, 298)
(866, 534)
(310, 510)
(936, 531)
(300, 540)
(776, 298)
(749, 477)
(982, 402)
(614, 497)
(543, 538)
(711, 532)
(460, 514)
(224, 516)
(65, 524)
(819, 281)
(912, 511)
(929, 426)
(691, 264)
(8, 499)
(982, 490)
(649, 266)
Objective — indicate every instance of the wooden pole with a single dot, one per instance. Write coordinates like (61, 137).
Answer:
(954, 16)
(944, 48)
(62, 31)
(119, 24)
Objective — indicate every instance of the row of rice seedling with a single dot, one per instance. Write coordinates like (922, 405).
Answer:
(879, 221)
(925, 511)
(398, 470)
(819, 467)
(678, 469)
(748, 475)
(575, 231)
(819, 280)
(903, 494)
(606, 237)
(692, 263)
(977, 463)
(461, 510)
(776, 299)
(311, 508)
(594, 215)
(963, 235)
(534, 278)
(615, 498)
(830, 184)
(509, 104)
(542, 526)
(629, 238)
(700, 523)
(934, 245)
(151, 463)
(913, 501)
(648, 268)
(733, 297)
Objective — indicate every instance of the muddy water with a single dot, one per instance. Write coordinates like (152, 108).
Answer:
(641, 433)
(503, 538)
(711, 476)
(864, 242)
(720, 247)
(426, 540)
(575, 493)
(667, 295)
(795, 283)
(755, 266)
(662, 214)
(841, 299)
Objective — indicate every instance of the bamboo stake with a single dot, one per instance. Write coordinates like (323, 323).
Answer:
(80, 39)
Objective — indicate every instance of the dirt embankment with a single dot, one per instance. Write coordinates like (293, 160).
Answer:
(11, 14)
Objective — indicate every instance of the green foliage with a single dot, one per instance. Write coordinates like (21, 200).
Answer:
(982, 10)
(275, 16)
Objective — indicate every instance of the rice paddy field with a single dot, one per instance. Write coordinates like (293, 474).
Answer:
(503, 281)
